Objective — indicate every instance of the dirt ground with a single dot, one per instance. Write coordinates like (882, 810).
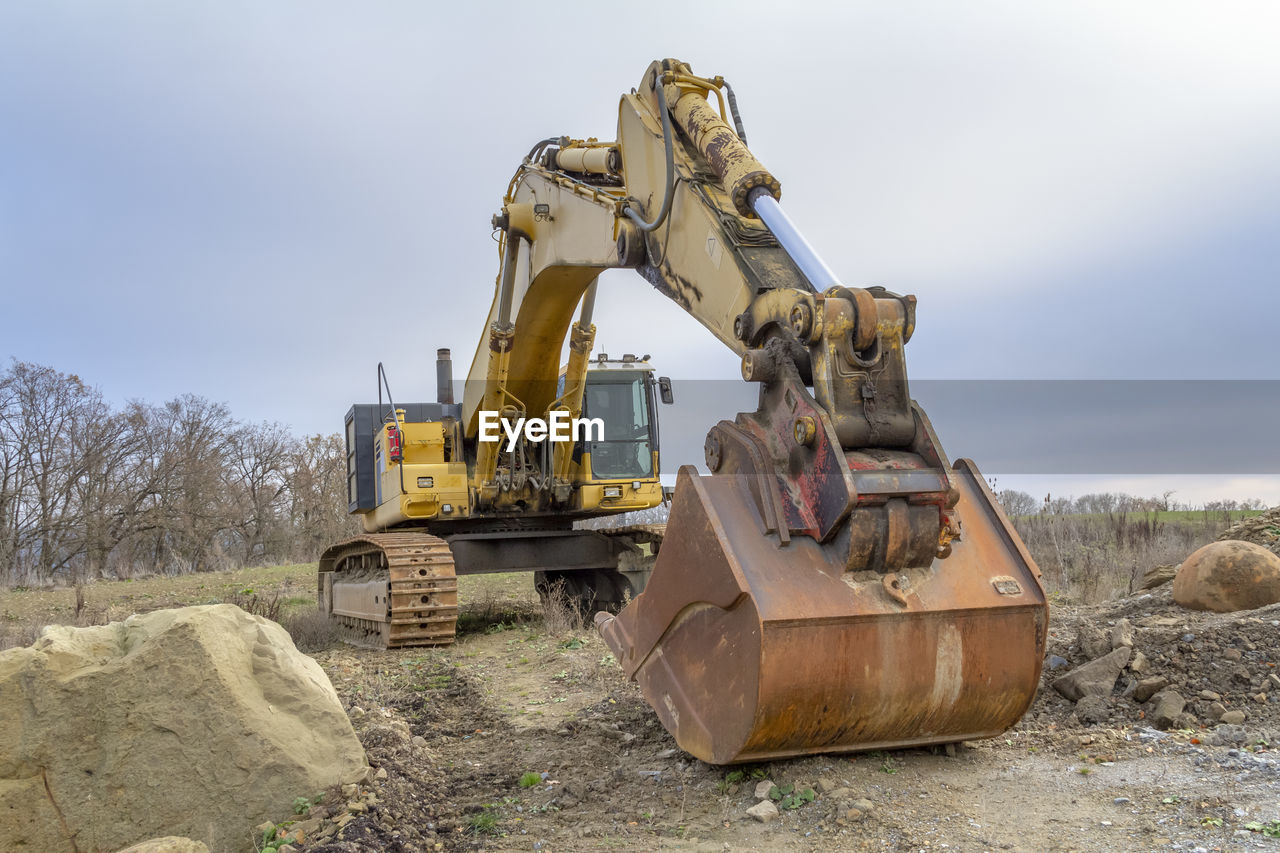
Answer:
(514, 699)
(525, 736)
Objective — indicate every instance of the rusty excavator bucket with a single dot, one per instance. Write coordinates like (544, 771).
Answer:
(754, 645)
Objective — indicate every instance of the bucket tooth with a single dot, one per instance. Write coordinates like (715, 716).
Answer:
(749, 650)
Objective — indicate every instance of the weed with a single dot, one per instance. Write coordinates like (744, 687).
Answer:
(1084, 771)
(562, 613)
(485, 822)
(1271, 829)
(530, 780)
(1211, 821)
(270, 838)
(543, 809)
(301, 804)
(788, 798)
(258, 605)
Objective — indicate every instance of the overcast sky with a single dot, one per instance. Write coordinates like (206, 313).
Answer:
(257, 202)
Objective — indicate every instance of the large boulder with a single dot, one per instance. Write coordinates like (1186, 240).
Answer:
(1227, 576)
(199, 722)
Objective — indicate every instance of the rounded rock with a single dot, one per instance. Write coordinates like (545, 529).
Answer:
(1228, 576)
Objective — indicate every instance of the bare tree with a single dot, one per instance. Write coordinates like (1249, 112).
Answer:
(52, 409)
(11, 471)
(318, 495)
(258, 457)
(1017, 503)
(1099, 502)
(192, 507)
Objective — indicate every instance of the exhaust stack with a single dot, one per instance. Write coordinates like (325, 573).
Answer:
(444, 377)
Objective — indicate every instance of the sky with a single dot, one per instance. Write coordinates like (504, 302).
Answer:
(259, 202)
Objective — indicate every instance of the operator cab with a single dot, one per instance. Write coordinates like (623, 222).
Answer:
(621, 393)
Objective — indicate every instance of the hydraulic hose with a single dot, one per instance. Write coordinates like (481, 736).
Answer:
(537, 149)
(733, 110)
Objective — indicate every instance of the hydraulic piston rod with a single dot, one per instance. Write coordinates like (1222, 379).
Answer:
(750, 185)
(771, 213)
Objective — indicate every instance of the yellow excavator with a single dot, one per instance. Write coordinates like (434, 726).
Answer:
(833, 584)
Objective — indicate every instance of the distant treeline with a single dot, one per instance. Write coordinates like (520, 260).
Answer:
(90, 491)
(1019, 503)
(1097, 546)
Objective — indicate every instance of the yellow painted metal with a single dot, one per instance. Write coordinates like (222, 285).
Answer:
(738, 169)
(551, 276)
(591, 496)
(595, 159)
(522, 222)
(403, 499)
(575, 378)
(422, 442)
(496, 399)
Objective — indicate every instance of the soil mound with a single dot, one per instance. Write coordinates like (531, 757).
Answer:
(1225, 667)
(200, 722)
(1261, 530)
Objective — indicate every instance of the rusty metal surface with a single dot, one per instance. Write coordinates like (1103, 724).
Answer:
(391, 589)
(749, 650)
(891, 508)
(736, 167)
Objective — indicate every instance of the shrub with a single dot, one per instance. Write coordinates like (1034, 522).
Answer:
(312, 631)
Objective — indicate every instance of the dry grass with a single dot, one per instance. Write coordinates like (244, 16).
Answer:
(488, 601)
(266, 606)
(19, 634)
(1084, 558)
(1092, 558)
(562, 613)
(282, 590)
(311, 630)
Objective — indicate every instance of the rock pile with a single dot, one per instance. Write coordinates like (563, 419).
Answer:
(1261, 530)
(196, 722)
(1143, 660)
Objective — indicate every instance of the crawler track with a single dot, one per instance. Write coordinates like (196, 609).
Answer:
(391, 589)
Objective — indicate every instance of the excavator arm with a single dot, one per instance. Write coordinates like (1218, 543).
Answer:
(835, 583)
